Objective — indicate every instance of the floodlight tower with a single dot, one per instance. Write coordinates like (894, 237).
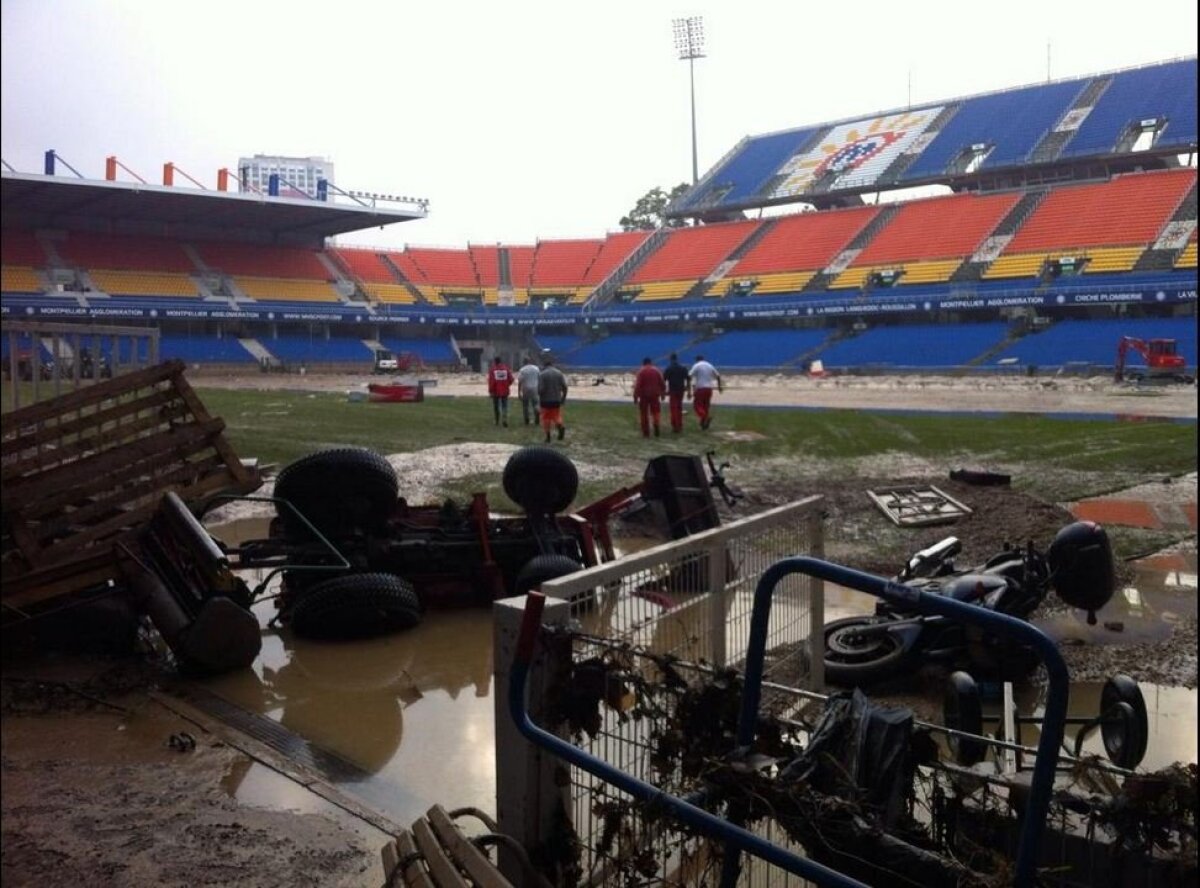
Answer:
(689, 43)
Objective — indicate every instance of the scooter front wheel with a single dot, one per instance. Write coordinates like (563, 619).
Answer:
(854, 657)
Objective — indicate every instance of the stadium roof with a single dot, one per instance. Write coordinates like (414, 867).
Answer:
(38, 201)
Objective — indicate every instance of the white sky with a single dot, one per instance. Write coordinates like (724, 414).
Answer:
(517, 120)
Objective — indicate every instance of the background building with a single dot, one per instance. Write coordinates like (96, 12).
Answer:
(295, 173)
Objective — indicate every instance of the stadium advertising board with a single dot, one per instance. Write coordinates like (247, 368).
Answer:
(778, 307)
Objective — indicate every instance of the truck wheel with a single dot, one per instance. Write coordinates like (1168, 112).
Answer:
(540, 480)
(339, 491)
(541, 568)
(355, 606)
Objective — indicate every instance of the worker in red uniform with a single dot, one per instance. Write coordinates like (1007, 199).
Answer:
(499, 382)
(648, 392)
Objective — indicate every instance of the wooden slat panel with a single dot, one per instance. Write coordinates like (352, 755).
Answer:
(90, 422)
(93, 394)
(130, 519)
(119, 498)
(469, 857)
(444, 873)
(414, 874)
(239, 472)
(179, 442)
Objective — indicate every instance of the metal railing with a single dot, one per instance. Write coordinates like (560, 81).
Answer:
(78, 355)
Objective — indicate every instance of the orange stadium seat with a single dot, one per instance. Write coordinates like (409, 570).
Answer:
(803, 242)
(937, 228)
(19, 247)
(692, 253)
(366, 265)
(562, 263)
(255, 260)
(125, 253)
(1129, 210)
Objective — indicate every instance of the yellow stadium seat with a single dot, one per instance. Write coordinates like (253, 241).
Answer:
(143, 283)
(286, 289)
(852, 277)
(1112, 258)
(934, 272)
(657, 291)
(19, 279)
(393, 294)
(786, 282)
(1187, 259)
(1019, 265)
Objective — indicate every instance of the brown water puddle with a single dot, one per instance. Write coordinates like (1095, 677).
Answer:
(416, 709)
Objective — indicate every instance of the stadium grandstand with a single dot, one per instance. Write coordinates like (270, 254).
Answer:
(1065, 217)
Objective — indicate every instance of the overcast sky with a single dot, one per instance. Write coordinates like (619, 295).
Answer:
(517, 120)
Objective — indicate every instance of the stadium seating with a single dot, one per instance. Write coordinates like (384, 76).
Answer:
(1012, 122)
(298, 348)
(19, 279)
(626, 350)
(1110, 223)
(202, 349)
(687, 255)
(1167, 90)
(750, 168)
(562, 263)
(520, 265)
(18, 246)
(1095, 341)
(430, 351)
(292, 290)
(1187, 257)
(143, 283)
(262, 261)
(928, 239)
(615, 249)
(366, 265)
(442, 267)
(802, 242)
(926, 346)
(558, 344)
(124, 253)
(392, 294)
(486, 262)
(759, 349)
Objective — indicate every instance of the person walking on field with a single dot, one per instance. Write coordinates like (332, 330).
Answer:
(678, 384)
(499, 383)
(648, 391)
(552, 392)
(527, 390)
(704, 378)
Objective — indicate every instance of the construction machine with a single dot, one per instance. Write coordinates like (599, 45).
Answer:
(1163, 361)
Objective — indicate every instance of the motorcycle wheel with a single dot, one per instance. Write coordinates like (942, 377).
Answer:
(852, 660)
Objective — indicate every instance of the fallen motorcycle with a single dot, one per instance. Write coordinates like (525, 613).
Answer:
(864, 650)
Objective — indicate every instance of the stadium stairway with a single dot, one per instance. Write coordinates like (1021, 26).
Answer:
(825, 277)
(1173, 239)
(1056, 140)
(973, 269)
(900, 165)
(613, 281)
(259, 351)
(402, 278)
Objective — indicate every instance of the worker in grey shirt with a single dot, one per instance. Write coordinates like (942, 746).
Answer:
(552, 392)
(527, 390)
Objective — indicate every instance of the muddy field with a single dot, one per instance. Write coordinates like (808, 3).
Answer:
(94, 792)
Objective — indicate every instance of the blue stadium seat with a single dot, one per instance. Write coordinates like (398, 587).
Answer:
(927, 346)
(1095, 341)
(298, 348)
(196, 349)
(1014, 121)
(750, 168)
(759, 349)
(1157, 91)
(625, 350)
(431, 351)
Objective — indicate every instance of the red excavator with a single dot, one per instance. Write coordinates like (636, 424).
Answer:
(1163, 362)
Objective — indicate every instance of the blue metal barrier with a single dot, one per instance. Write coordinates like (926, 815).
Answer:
(922, 602)
(734, 837)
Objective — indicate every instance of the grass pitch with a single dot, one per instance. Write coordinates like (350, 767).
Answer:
(1058, 459)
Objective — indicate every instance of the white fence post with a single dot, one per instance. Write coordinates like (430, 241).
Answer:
(528, 798)
(717, 565)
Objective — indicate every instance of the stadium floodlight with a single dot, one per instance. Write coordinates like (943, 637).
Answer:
(689, 43)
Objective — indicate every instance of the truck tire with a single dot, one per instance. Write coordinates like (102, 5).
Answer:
(355, 606)
(541, 568)
(339, 491)
(540, 480)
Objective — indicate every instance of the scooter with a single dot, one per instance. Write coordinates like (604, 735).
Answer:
(864, 650)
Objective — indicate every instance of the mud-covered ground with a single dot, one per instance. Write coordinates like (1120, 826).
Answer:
(94, 794)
